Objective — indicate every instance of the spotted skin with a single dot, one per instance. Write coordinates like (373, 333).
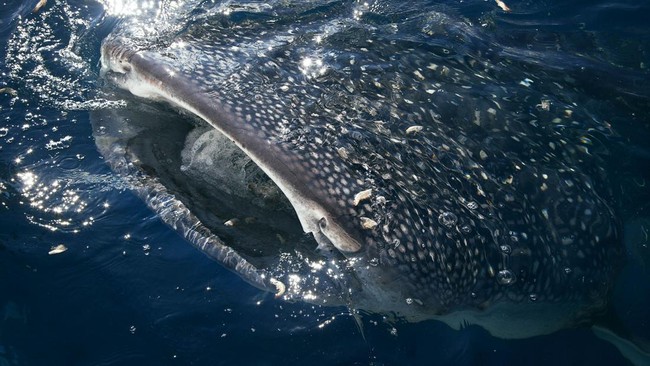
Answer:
(480, 193)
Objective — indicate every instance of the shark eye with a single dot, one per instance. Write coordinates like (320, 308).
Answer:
(322, 223)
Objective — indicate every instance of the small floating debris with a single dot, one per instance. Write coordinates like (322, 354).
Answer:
(413, 130)
(343, 153)
(58, 249)
(368, 223)
(39, 5)
(279, 287)
(363, 195)
(503, 6)
(544, 105)
(8, 90)
(231, 222)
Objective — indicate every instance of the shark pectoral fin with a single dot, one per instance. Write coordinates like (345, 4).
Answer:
(636, 351)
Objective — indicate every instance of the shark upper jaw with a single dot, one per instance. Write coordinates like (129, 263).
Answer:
(135, 72)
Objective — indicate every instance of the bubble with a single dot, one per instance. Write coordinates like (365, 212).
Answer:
(506, 249)
(447, 219)
(514, 237)
(466, 229)
(409, 301)
(356, 135)
(472, 205)
(374, 262)
(533, 297)
(505, 277)
(567, 270)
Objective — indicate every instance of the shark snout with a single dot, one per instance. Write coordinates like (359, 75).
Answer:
(115, 57)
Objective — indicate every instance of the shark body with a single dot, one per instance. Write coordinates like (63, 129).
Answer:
(446, 201)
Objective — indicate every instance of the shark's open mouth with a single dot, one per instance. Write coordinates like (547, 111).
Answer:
(204, 186)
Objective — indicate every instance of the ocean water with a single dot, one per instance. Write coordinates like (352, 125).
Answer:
(130, 290)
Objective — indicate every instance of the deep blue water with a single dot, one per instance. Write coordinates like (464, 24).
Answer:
(129, 290)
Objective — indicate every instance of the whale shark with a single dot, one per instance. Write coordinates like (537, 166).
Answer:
(433, 179)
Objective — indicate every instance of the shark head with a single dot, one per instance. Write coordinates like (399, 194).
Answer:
(324, 202)
(334, 203)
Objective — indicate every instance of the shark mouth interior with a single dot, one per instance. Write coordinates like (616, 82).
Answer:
(201, 184)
